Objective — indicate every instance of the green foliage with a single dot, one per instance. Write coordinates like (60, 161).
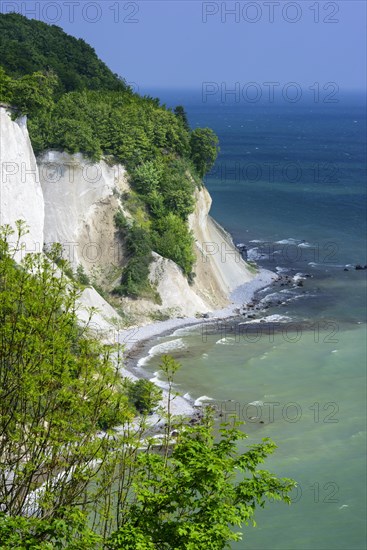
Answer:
(172, 239)
(144, 396)
(75, 137)
(204, 149)
(28, 46)
(121, 222)
(34, 93)
(134, 280)
(165, 186)
(6, 91)
(181, 114)
(147, 177)
(31, 93)
(81, 276)
(138, 243)
(194, 498)
(70, 531)
(58, 386)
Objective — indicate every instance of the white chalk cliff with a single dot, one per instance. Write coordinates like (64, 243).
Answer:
(21, 194)
(68, 199)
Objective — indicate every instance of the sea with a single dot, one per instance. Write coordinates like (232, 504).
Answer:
(289, 184)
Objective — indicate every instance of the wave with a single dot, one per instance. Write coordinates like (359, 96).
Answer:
(288, 241)
(269, 319)
(279, 269)
(162, 349)
(143, 361)
(323, 264)
(299, 277)
(170, 345)
(184, 331)
(226, 341)
(253, 254)
(200, 400)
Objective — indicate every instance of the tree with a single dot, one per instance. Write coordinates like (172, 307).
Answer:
(6, 86)
(58, 386)
(28, 45)
(172, 239)
(204, 149)
(33, 93)
(144, 395)
(148, 176)
(181, 114)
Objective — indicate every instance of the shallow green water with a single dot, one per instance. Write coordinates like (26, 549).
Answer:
(312, 396)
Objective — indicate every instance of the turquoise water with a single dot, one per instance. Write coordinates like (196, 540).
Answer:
(305, 380)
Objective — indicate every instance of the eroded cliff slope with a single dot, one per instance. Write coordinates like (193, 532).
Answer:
(69, 199)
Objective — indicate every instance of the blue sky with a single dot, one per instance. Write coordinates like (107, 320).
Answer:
(181, 44)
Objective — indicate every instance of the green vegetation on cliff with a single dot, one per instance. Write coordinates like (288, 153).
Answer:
(76, 104)
(28, 46)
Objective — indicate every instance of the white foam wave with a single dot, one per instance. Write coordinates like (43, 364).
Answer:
(225, 341)
(287, 241)
(253, 254)
(166, 347)
(299, 277)
(184, 331)
(200, 400)
(264, 289)
(277, 318)
(143, 360)
(162, 349)
(269, 319)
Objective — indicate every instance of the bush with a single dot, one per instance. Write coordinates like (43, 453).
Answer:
(134, 279)
(204, 149)
(144, 396)
(121, 222)
(173, 240)
(81, 276)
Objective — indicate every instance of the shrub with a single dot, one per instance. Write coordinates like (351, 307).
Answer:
(144, 395)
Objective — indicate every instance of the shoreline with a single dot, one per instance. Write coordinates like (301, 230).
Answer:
(137, 339)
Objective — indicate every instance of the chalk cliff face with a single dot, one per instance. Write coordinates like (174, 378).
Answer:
(69, 199)
(219, 267)
(81, 199)
(21, 194)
